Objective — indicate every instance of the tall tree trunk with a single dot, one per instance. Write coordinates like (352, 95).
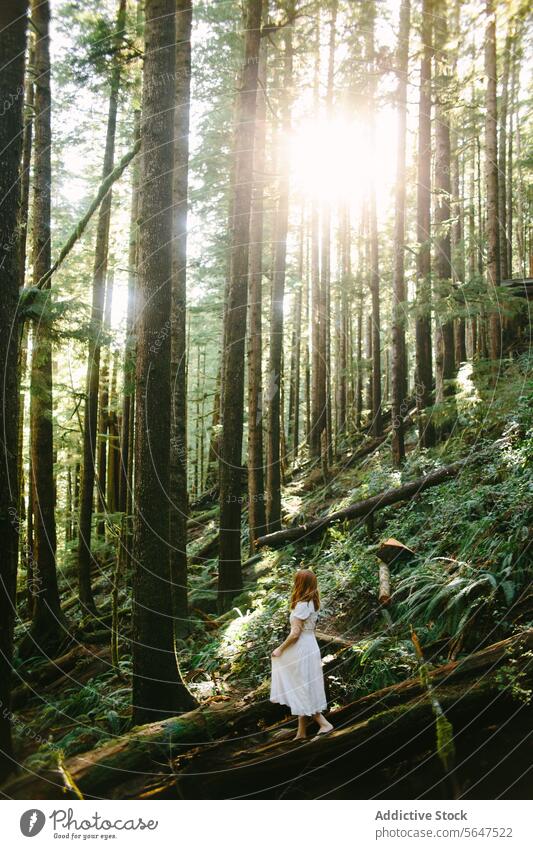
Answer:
(399, 365)
(103, 412)
(442, 282)
(360, 300)
(502, 155)
(491, 181)
(424, 369)
(256, 478)
(376, 423)
(457, 235)
(113, 448)
(23, 351)
(128, 394)
(13, 23)
(318, 371)
(275, 409)
(230, 573)
(158, 689)
(472, 247)
(294, 387)
(326, 250)
(307, 352)
(47, 629)
(85, 558)
(179, 506)
(213, 455)
(510, 169)
(343, 325)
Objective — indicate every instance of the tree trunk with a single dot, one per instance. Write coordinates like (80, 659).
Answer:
(256, 478)
(103, 411)
(179, 506)
(375, 412)
(47, 629)
(13, 23)
(342, 325)
(128, 394)
(442, 282)
(502, 156)
(399, 365)
(85, 558)
(318, 372)
(424, 369)
(275, 410)
(113, 447)
(157, 686)
(491, 182)
(230, 574)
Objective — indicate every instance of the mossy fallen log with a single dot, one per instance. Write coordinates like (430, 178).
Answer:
(76, 666)
(144, 751)
(380, 753)
(223, 730)
(367, 507)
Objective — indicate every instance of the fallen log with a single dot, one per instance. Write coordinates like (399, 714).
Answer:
(369, 746)
(146, 750)
(75, 667)
(391, 754)
(365, 508)
(207, 551)
(486, 659)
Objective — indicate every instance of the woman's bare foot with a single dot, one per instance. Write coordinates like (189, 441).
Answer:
(325, 729)
(299, 737)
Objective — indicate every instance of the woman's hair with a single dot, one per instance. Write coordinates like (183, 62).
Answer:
(305, 588)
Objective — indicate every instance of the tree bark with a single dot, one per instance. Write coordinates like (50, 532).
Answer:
(13, 24)
(294, 383)
(230, 574)
(179, 506)
(85, 558)
(491, 182)
(128, 393)
(275, 410)
(442, 282)
(399, 364)
(424, 368)
(375, 412)
(48, 623)
(158, 689)
(256, 477)
(502, 156)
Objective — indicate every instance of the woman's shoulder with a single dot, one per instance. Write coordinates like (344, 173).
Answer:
(303, 609)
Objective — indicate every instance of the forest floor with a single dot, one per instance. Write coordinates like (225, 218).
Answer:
(467, 594)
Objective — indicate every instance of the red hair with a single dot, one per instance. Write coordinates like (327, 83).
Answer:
(305, 588)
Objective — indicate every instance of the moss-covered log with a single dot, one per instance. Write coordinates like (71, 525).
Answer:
(147, 750)
(383, 745)
(238, 734)
(367, 507)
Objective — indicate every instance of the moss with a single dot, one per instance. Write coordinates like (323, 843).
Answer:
(445, 743)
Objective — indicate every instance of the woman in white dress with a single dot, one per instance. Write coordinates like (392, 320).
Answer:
(297, 678)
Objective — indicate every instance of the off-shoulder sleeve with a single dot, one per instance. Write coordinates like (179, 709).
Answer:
(303, 609)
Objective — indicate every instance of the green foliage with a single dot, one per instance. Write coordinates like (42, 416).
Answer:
(511, 679)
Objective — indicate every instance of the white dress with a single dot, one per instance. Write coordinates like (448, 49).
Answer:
(297, 678)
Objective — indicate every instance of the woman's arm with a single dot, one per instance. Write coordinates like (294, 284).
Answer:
(296, 630)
